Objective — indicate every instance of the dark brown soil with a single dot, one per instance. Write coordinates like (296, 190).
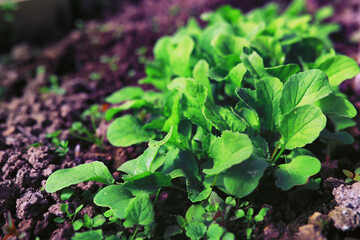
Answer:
(26, 117)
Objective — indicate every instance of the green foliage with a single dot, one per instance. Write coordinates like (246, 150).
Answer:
(237, 101)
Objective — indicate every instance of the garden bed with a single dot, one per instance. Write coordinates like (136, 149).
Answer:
(47, 90)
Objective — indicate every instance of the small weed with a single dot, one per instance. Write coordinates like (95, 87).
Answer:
(54, 86)
(78, 129)
(61, 146)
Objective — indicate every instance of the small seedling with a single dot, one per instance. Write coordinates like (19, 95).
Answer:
(54, 86)
(78, 129)
(352, 176)
(10, 230)
(111, 61)
(95, 76)
(71, 216)
(89, 222)
(61, 146)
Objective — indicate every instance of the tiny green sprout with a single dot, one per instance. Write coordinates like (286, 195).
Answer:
(10, 230)
(35, 145)
(54, 86)
(111, 61)
(79, 130)
(71, 216)
(95, 76)
(352, 176)
(61, 146)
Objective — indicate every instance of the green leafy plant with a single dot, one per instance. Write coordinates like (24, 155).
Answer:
(61, 146)
(236, 102)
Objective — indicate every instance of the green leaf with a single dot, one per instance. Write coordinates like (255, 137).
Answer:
(116, 197)
(297, 172)
(270, 48)
(214, 232)
(93, 235)
(66, 194)
(302, 126)
(235, 78)
(253, 63)
(171, 231)
(140, 211)
(338, 68)
(240, 180)
(222, 118)
(341, 123)
(228, 150)
(333, 104)
(228, 236)
(126, 93)
(143, 163)
(222, 68)
(260, 216)
(94, 171)
(193, 103)
(195, 230)
(78, 224)
(126, 131)
(348, 173)
(226, 44)
(172, 110)
(268, 92)
(133, 104)
(304, 88)
(179, 56)
(147, 183)
(200, 74)
(283, 72)
(99, 220)
(336, 138)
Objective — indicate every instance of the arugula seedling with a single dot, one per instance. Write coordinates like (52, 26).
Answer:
(352, 176)
(65, 209)
(78, 129)
(10, 230)
(111, 61)
(54, 86)
(61, 146)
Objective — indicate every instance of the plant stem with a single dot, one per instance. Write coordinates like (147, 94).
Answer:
(215, 179)
(134, 235)
(279, 154)
(273, 155)
(157, 195)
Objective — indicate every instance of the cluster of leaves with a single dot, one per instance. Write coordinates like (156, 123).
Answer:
(209, 217)
(238, 101)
